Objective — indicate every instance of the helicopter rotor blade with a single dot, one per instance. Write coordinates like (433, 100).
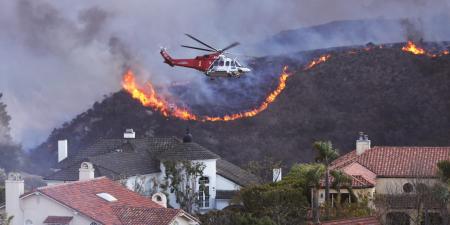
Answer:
(230, 46)
(201, 49)
(201, 42)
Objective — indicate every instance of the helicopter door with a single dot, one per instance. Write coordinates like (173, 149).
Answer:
(227, 65)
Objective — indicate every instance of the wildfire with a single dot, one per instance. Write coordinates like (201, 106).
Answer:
(317, 61)
(413, 48)
(148, 97)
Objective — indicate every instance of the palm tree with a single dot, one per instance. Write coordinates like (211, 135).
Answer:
(326, 155)
(340, 179)
(313, 174)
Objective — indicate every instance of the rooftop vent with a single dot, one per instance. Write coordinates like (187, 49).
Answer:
(129, 134)
(107, 197)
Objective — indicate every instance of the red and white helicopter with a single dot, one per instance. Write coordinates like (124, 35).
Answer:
(216, 64)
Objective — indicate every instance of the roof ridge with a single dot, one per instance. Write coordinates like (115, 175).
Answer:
(70, 183)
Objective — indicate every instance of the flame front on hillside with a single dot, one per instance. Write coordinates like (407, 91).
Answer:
(148, 97)
(317, 61)
(413, 48)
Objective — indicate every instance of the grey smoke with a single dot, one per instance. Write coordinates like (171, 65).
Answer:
(58, 57)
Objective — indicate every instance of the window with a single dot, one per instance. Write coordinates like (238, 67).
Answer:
(221, 62)
(106, 196)
(216, 63)
(227, 63)
(203, 192)
(407, 188)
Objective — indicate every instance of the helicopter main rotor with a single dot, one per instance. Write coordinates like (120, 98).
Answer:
(210, 49)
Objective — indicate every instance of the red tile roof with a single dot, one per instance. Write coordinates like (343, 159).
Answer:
(58, 219)
(146, 216)
(81, 196)
(357, 182)
(397, 161)
(354, 221)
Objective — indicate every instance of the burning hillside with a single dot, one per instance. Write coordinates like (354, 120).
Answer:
(397, 97)
(149, 97)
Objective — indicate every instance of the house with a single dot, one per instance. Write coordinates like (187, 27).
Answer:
(140, 162)
(395, 180)
(90, 201)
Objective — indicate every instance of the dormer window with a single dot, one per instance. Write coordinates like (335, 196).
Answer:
(107, 197)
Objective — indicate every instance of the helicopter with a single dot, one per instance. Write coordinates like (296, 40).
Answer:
(216, 64)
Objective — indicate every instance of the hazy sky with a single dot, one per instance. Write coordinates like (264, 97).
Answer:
(60, 56)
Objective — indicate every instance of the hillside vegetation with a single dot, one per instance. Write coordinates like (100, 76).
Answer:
(395, 97)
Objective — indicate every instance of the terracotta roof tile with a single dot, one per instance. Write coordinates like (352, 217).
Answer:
(58, 219)
(81, 196)
(397, 161)
(145, 216)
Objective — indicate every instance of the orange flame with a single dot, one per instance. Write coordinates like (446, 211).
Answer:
(317, 61)
(148, 97)
(413, 48)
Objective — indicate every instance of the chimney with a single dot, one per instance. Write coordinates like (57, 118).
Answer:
(62, 150)
(276, 175)
(187, 137)
(362, 144)
(86, 171)
(160, 198)
(14, 188)
(129, 134)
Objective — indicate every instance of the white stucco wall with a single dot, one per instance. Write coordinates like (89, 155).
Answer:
(225, 184)
(395, 185)
(209, 171)
(37, 207)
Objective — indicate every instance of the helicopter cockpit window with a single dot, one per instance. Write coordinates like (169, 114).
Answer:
(216, 63)
(227, 63)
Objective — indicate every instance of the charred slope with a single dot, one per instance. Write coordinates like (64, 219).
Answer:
(396, 97)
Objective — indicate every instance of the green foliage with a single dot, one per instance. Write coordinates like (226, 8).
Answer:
(227, 217)
(340, 179)
(281, 202)
(181, 179)
(5, 219)
(444, 171)
(326, 152)
(2, 195)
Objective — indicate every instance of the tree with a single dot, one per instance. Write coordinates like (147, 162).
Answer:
(282, 203)
(10, 153)
(340, 179)
(444, 171)
(5, 219)
(310, 175)
(326, 155)
(181, 178)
